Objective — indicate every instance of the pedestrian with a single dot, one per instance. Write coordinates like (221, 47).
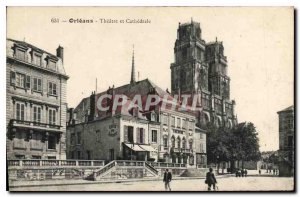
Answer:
(167, 179)
(274, 171)
(246, 172)
(210, 179)
(259, 171)
(242, 172)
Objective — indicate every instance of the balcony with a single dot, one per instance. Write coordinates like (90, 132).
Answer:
(179, 131)
(182, 150)
(35, 125)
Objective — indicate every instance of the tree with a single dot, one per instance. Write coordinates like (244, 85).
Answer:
(246, 143)
(239, 143)
(218, 145)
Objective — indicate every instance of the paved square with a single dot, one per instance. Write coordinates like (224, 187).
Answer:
(224, 184)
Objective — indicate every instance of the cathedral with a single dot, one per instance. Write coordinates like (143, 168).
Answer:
(200, 69)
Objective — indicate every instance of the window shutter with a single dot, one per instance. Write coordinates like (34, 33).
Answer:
(125, 134)
(13, 78)
(138, 135)
(27, 81)
(48, 87)
(142, 135)
(54, 88)
(40, 85)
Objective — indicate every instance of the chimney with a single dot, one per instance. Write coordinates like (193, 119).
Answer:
(60, 52)
(92, 106)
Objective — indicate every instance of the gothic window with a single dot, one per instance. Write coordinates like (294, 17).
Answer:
(165, 141)
(182, 78)
(178, 142)
(173, 142)
(206, 118)
(218, 105)
(191, 144)
(72, 139)
(183, 143)
(205, 101)
(184, 53)
(218, 122)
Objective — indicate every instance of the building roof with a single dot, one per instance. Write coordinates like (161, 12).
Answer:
(60, 67)
(143, 88)
(291, 108)
(31, 46)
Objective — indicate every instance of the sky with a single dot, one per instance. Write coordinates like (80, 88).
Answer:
(258, 44)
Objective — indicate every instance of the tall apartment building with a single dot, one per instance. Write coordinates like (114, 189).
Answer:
(36, 103)
(286, 142)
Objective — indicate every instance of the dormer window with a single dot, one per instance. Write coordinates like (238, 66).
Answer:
(153, 117)
(20, 54)
(37, 59)
(51, 62)
(51, 65)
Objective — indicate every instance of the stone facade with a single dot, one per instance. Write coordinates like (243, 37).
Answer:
(286, 142)
(200, 68)
(170, 133)
(35, 102)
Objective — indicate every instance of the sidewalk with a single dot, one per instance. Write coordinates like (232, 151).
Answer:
(15, 184)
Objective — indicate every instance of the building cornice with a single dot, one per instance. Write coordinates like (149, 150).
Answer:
(38, 67)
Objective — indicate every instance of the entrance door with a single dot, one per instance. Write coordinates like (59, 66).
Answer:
(111, 154)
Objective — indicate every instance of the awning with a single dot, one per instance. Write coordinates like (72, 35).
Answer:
(135, 147)
(141, 148)
(148, 148)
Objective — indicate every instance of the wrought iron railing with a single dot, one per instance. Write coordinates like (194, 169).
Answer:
(50, 162)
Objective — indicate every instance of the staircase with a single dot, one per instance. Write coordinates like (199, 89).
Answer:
(114, 166)
(151, 169)
(103, 171)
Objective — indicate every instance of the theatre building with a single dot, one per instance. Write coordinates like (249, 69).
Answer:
(158, 134)
(35, 102)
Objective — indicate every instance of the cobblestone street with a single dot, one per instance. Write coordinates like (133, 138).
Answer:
(224, 184)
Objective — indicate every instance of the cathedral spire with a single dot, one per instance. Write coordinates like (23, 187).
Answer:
(132, 80)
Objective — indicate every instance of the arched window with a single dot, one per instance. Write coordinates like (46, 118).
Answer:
(229, 124)
(173, 141)
(183, 143)
(218, 123)
(206, 118)
(165, 141)
(178, 142)
(191, 144)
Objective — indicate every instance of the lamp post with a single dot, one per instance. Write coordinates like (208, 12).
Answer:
(218, 164)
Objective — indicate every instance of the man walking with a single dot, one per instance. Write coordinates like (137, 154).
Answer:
(167, 179)
(211, 179)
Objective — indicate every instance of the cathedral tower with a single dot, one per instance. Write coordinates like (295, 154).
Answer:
(200, 69)
(189, 72)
